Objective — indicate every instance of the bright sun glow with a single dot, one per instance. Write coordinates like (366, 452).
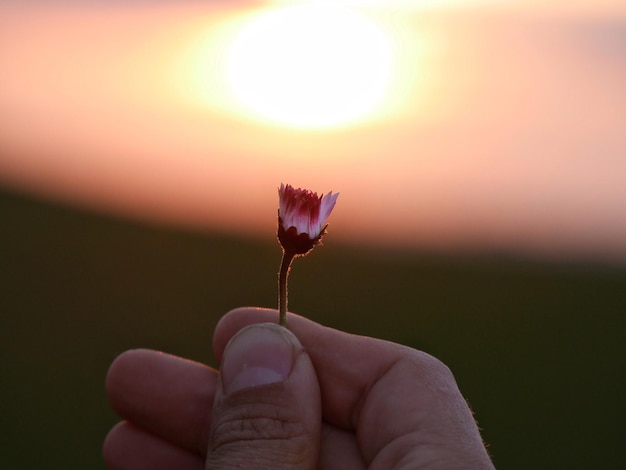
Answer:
(310, 66)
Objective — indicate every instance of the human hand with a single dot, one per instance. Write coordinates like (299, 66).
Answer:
(304, 398)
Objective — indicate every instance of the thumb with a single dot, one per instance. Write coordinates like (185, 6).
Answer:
(267, 411)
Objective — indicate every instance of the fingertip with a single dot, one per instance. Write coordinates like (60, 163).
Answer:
(123, 360)
(128, 447)
(238, 318)
(114, 375)
(258, 354)
(235, 320)
(111, 444)
(120, 369)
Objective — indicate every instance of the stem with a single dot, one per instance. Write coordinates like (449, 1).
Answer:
(283, 274)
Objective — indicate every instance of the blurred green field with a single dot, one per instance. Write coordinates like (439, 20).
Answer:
(537, 347)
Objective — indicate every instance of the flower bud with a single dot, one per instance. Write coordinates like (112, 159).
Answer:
(302, 216)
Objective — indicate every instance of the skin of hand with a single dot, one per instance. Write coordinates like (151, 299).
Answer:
(307, 397)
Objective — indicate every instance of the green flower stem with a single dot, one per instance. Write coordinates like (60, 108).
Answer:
(283, 274)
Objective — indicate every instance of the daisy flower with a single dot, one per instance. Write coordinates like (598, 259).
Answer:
(302, 217)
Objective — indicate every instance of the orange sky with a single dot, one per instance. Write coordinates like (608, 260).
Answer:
(506, 128)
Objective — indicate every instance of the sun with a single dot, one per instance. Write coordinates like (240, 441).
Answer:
(310, 66)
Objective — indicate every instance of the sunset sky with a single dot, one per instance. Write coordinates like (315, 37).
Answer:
(495, 125)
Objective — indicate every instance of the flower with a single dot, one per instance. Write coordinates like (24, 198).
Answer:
(302, 216)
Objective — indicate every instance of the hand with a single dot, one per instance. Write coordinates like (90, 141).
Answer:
(311, 397)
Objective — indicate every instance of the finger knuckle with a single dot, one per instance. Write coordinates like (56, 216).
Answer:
(260, 430)
(258, 423)
(433, 372)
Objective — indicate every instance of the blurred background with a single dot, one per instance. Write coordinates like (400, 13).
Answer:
(479, 148)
